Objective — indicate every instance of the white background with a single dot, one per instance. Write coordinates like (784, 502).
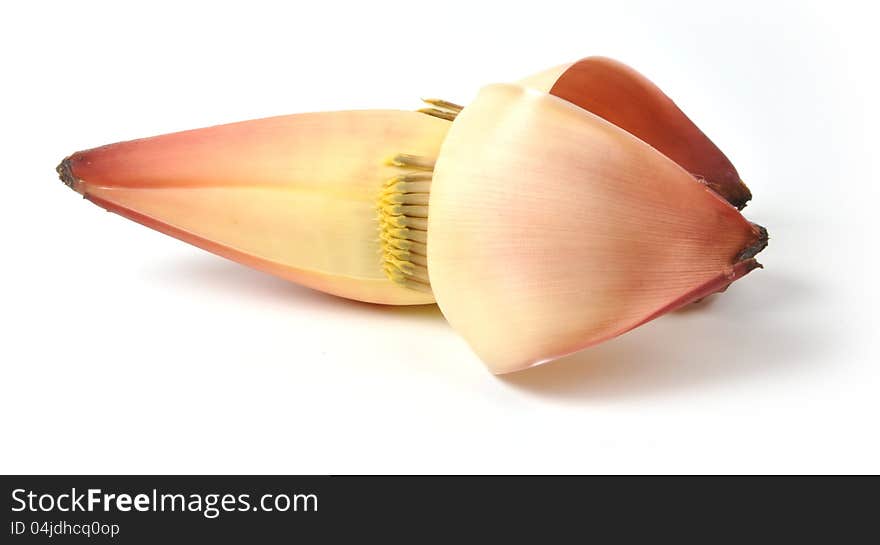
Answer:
(127, 351)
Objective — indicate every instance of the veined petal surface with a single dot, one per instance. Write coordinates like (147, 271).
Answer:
(626, 98)
(552, 229)
(292, 195)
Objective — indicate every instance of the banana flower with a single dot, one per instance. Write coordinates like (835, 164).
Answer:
(564, 210)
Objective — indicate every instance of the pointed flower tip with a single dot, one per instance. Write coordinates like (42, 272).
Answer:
(736, 192)
(743, 198)
(761, 239)
(65, 173)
